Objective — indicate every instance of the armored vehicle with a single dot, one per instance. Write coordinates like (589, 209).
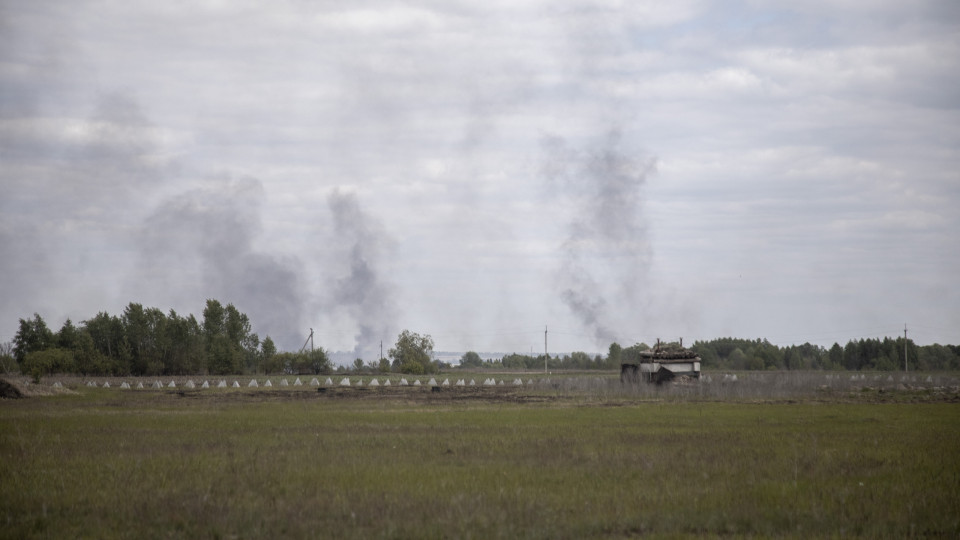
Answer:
(660, 364)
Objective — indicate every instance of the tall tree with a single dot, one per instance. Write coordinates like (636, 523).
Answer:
(33, 336)
(470, 359)
(107, 333)
(267, 351)
(412, 353)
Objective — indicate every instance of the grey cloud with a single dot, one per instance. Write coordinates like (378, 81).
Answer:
(772, 126)
(71, 194)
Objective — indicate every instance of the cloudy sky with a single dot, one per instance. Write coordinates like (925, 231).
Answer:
(480, 171)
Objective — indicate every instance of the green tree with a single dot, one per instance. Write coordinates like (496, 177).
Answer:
(412, 353)
(47, 361)
(229, 341)
(107, 333)
(470, 359)
(87, 358)
(222, 356)
(319, 361)
(186, 342)
(7, 362)
(316, 362)
(580, 360)
(614, 355)
(267, 352)
(283, 362)
(33, 336)
(836, 356)
(68, 336)
(738, 359)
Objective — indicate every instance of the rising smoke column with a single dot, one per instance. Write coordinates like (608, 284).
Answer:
(606, 254)
(360, 246)
(199, 244)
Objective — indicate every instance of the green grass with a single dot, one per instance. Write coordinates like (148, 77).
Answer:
(152, 464)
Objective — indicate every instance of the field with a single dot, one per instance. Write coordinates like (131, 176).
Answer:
(578, 456)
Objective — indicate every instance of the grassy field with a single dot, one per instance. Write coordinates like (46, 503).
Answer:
(475, 463)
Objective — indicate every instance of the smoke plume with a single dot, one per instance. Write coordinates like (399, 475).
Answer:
(606, 254)
(200, 244)
(360, 246)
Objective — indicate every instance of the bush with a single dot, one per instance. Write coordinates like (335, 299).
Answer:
(40, 363)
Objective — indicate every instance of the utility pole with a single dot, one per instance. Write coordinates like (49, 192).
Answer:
(381, 349)
(544, 349)
(309, 340)
(904, 347)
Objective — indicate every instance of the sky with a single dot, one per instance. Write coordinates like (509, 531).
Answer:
(486, 173)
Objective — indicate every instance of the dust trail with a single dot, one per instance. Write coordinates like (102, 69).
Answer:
(360, 289)
(606, 254)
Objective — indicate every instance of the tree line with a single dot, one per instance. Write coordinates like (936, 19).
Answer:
(872, 354)
(744, 354)
(146, 341)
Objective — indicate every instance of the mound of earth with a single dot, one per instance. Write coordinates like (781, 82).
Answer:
(9, 391)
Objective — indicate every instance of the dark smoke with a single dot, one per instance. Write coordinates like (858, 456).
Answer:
(200, 244)
(606, 254)
(360, 247)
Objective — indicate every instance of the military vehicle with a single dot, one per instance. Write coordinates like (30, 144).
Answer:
(662, 363)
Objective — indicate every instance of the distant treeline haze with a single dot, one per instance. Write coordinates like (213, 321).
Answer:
(145, 341)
